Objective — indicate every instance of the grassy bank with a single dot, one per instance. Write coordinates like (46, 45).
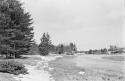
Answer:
(65, 69)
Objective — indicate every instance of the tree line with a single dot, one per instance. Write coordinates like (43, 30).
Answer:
(113, 49)
(98, 51)
(46, 46)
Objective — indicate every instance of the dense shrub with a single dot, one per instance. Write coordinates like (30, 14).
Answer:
(12, 67)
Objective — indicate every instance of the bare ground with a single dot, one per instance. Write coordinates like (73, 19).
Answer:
(96, 68)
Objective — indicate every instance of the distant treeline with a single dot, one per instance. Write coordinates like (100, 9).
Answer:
(111, 50)
(64, 48)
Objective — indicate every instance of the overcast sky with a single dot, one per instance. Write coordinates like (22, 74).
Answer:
(88, 23)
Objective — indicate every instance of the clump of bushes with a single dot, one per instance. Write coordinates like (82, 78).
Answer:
(12, 67)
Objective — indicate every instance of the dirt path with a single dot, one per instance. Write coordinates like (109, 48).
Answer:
(38, 72)
(37, 66)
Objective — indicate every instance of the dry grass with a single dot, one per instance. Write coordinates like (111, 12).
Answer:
(115, 58)
(65, 70)
(26, 59)
(96, 68)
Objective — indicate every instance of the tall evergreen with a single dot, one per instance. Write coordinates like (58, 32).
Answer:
(45, 45)
(15, 28)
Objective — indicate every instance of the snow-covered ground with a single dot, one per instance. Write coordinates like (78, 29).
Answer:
(37, 73)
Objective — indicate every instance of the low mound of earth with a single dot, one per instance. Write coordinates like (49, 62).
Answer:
(94, 67)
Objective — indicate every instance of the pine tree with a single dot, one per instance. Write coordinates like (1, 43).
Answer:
(45, 45)
(15, 29)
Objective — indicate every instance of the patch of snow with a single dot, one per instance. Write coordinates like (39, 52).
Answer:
(81, 73)
(50, 58)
